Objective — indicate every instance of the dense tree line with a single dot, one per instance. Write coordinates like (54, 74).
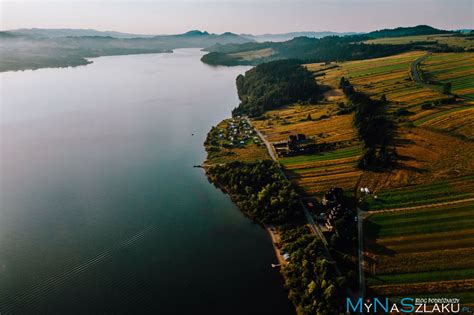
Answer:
(217, 58)
(259, 189)
(310, 278)
(335, 48)
(308, 50)
(375, 128)
(273, 84)
(329, 48)
(340, 209)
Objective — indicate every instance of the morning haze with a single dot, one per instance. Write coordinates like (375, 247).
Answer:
(283, 157)
(257, 17)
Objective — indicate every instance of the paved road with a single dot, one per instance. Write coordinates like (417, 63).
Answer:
(360, 252)
(414, 69)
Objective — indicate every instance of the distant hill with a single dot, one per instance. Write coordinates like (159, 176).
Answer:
(465, 30)
(289, 36)
(329, 48)
(407, 31)
(67, 32)
(40, 48)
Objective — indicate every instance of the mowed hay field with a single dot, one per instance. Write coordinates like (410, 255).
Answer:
(315, 174)
(448, 39)
(457, 188)
(390, 76)
(431, 143)
(456, 68)
(422, 251)
(426, 154)
(427, 250)
(457, 121)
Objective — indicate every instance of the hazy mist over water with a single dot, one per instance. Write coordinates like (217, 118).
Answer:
(101, 209)
(239, 16)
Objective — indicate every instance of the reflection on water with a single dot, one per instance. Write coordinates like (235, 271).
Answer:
(101, 210)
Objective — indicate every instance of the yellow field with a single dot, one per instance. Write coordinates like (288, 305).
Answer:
(316, 177)
(425, 155)
(315, 174)
(433, 149)
(413, 251)
(460, 122)
(390, 76)
(447, 39)
(406, 253)
(254, 54)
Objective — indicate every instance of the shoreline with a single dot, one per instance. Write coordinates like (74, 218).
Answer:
(275, 238)
(82, 61)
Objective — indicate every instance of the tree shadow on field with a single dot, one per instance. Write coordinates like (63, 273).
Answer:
(401, 142)
(402, 166)
(372, 231)
(292, 174)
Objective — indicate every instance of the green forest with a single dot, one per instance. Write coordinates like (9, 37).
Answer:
(274, 84)
(259, 190)
(310, 278)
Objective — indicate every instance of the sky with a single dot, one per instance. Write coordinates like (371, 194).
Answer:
(238, 16)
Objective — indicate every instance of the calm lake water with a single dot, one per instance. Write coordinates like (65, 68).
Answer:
(101, 210)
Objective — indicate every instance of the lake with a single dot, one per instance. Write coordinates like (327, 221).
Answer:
(101, 210)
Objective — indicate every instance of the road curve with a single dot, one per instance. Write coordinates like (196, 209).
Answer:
(416, 76)
(414, 69)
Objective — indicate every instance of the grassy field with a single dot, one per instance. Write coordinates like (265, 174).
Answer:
(428, 276)
(455, 68)
(316, 173)
(447, 39)
(427, 250)
(458, 121)
(324, 125)
(426, 154)
(430, 149)
(424, 221)
(405, 249)
(324, 156)
(416, 195)
(390, 76)
(434, 245)
(254, 54)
